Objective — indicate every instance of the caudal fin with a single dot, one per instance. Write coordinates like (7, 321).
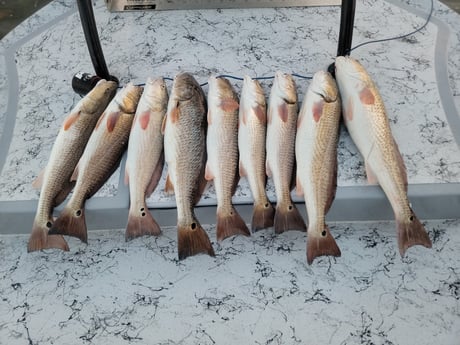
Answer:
(262, 216)
(410, 233)
(192, 240)
(321, 244)
(71, 223)
(141, 224)
(39, 239)
(230, 224)
(287, 217)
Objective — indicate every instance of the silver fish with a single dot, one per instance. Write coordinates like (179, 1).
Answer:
(185, 153)
(367, 122)
(251, 143)
(65, 154)
(145, 160)
(222, 149)
(316, 155)
(281, 133)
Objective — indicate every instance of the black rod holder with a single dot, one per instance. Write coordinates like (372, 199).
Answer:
(85, 8)
(347, 19)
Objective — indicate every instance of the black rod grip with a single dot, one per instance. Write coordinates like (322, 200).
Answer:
(347, 19)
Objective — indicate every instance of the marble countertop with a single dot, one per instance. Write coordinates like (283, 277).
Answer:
(257, 290)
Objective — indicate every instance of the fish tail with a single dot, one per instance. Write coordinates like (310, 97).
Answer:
(410, 233)
(262, 216)
(39, 239)
(322, 244)
(141, 225)
(71, 223)
(288, 218)
(230, 224)
(192, 240)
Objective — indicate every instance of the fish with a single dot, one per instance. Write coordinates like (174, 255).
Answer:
(281, 132)
(251, 144)
(145, 159)
(222, 151)
(316, 157)
(184, 131)
(367, 122)
(99, 161)
(65, 154)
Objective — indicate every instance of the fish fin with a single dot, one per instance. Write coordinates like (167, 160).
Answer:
(70, 120)
(163, 125)
(260, 112)
(192, 240)
(229, 105)
(347, 112)
(262, 216)
(371, 177)
(201, 188)
(60, 197)
(298, 187)
(38, 182)
(288, 218)
(155, 176)
(243, 117)
(99, 121)
(112, 120)
(230, 225)
(175, 112)
(242, 169)
(269, 115)
(332, 187)
(39, 239)
(410, 233)
(126, 176)
(209, 176)
(169, 187)
(70, 224)
(366, 96)
(283, 112)
(144, 119)
(267, 169)
(324, 244)
(317, 110)
(209, 117)
(142, 224)
(74, 176)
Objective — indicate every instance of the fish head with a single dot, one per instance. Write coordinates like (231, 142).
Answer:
(99, 96)
(156, 92)
(350, 73)
(253, 90)
(284, 86)
(128, 98)
(325, 86)
(185, 87)
(221, 88)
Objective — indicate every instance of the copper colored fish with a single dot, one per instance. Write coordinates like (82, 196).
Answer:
(65, 154)
(100, 159)
(316, 155)
(185, 154)
(222, 150)
(145, 160)
(367, 122)
(281, 133)
(251, 144)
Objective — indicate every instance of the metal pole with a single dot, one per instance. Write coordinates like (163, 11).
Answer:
(347, 20)
(88, 23)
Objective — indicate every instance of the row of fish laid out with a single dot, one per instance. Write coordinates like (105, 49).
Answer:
(221, 139)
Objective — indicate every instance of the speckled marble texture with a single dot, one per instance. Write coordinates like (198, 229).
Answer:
(255, 42)
(256, 290)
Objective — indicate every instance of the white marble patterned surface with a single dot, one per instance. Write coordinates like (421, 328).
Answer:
(256, 290)
(255, 42)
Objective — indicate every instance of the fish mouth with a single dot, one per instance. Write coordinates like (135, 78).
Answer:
(286, 86)
(328, 98)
